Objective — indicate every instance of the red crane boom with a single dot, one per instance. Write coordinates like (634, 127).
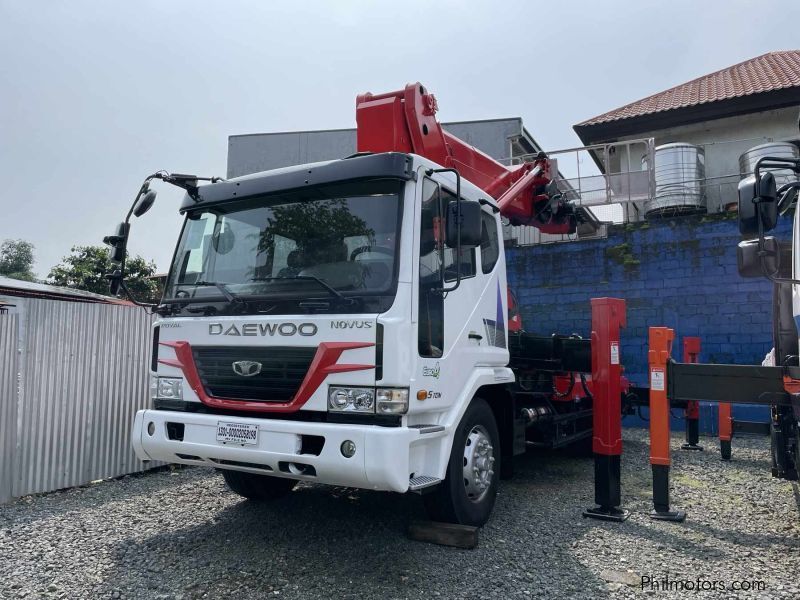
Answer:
(405, 121)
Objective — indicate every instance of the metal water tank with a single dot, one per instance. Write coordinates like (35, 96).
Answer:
(680, 174)
(747, 161)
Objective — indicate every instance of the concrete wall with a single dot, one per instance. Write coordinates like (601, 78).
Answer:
(678, 273)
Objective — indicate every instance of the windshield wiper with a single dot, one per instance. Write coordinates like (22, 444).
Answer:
(229, 295)
(332, 290)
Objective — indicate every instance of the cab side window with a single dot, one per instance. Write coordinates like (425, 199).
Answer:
(430, 332)
(490, 245)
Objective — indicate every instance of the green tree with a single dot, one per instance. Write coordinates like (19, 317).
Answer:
(16, 260)
(315, 227)
(85, 268)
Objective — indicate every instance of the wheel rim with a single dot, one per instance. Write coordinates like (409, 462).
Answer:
(478, 463)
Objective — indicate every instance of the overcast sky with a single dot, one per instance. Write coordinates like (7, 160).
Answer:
(96, 95)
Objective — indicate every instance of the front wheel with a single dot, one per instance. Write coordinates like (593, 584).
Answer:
(258, 487)
(467, 494)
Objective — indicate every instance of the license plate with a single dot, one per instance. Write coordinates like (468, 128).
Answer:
(237, 433)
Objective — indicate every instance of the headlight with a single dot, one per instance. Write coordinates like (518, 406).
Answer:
(392, 401)
(342, 399)
(167, 387)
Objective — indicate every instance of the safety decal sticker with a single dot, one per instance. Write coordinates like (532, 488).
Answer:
(496, 329)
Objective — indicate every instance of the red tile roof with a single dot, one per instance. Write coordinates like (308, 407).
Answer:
(766, 73)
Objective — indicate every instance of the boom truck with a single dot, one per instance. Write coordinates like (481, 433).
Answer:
(346, 322)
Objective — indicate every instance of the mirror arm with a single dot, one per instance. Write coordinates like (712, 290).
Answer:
(187, 182)
(430, 172)
(776, 162)
(485, 202)
(762, 256)
(130, 296)
(142, 190)
(784, 196)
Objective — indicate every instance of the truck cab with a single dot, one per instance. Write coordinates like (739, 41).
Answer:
(342, 323)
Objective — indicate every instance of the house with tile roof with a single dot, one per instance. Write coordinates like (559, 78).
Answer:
(725, 113)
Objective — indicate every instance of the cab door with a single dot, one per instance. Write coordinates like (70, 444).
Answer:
(463, 327)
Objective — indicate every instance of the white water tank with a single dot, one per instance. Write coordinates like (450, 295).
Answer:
(680, 173)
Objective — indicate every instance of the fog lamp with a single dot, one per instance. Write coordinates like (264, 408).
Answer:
(348, 448)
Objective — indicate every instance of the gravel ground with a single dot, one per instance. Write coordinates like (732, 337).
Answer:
(181, 534)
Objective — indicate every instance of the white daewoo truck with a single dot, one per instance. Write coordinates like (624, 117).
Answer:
(346, 322)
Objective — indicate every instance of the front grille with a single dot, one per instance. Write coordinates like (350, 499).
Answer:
(283, 369)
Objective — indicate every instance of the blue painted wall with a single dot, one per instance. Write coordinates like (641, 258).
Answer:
(679, 273)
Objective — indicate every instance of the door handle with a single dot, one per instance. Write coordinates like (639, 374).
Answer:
(473, 335)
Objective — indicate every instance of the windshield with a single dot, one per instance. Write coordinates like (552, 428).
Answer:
(329, 249)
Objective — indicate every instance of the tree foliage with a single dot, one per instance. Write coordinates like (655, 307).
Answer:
(16, 260)
(85, 268)
(316, 227)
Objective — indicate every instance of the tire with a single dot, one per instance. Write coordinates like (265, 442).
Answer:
(782, 458)
(469, 500)
(258, 487)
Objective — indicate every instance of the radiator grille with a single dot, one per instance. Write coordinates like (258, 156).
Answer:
(283, 369)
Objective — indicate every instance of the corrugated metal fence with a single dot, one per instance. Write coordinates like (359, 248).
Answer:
(8, 401)
(76, 373)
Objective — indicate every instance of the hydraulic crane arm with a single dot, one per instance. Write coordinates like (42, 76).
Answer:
(405, 121)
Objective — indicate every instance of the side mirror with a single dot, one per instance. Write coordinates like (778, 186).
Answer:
(118, 243)
(468, 213)
(145, 203)
(749, 262)
(765, 192)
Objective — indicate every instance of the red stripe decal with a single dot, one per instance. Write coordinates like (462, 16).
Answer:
(324, 363)
(170, 362)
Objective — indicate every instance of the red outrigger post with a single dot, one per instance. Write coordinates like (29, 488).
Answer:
(691, 354)
(405, 121)
(658, 355)
(608, 317)
(725, 430)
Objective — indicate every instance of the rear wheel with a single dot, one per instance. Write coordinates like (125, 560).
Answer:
(782, 434)
(258, 487)
(468, 492)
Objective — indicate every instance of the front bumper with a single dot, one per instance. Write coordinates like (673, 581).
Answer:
(385, 458)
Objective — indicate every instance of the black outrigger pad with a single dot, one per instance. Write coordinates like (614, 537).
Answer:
(617, 515)
(692, 447)
(677, 516)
